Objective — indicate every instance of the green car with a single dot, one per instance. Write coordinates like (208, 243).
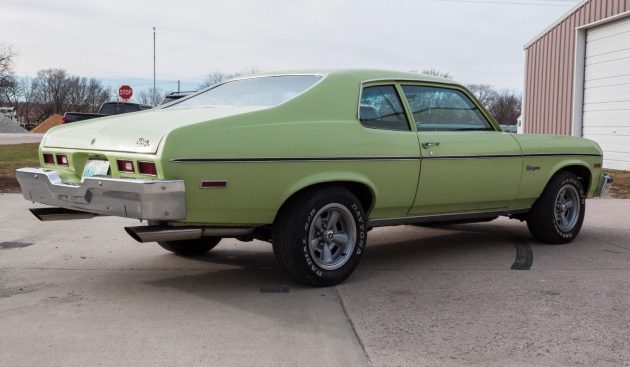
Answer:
(311, 161)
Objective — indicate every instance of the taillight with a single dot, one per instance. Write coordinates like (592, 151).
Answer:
(125, 165)
(147, 168)
(64, 120)
(49, 159)
(62, 160)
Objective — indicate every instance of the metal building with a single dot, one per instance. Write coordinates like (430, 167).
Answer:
(577, 78)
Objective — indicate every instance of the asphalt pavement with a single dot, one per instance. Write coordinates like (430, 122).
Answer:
(83, 293)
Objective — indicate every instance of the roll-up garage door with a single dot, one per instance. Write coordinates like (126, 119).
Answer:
(606, 116)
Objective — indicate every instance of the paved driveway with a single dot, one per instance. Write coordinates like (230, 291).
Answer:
(82, 293)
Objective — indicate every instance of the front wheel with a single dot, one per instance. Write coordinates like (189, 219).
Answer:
(557, 215)
(319, 236)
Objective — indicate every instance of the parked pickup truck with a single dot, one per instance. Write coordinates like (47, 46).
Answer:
(310, 162)
(107, 109)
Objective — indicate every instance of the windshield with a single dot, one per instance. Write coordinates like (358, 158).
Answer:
(261, 91)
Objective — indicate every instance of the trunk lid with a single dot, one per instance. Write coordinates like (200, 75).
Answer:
(139, 132)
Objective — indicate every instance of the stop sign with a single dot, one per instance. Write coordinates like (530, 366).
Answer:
(125, 92)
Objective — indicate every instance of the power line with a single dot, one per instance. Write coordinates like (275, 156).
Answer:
(508, 2)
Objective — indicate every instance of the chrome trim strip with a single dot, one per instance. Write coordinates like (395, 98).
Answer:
(329, 159)
(444, 217)
(104, 195)
(290, 159)
(322, 75)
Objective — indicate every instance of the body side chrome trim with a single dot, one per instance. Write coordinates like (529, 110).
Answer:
(429, 218)
(410, 158)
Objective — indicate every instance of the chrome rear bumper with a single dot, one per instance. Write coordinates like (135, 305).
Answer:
(605, 181)
(132, 198)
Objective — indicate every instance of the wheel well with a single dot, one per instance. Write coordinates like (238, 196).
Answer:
(361, 191)
(583, 173)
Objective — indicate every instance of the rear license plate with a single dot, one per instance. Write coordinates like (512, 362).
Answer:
(95, 167)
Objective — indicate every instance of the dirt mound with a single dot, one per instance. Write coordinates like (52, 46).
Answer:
(50, 122)
(10, 126)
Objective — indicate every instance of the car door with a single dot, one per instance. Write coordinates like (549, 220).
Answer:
(467, 165)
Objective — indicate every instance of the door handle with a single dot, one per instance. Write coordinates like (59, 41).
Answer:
(428, 144)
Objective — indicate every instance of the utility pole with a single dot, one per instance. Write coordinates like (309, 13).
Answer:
(154, 60)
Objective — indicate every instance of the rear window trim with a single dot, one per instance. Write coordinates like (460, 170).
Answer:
(177, 101)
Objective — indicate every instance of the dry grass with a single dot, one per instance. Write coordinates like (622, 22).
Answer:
(13, 157)
(621, 185)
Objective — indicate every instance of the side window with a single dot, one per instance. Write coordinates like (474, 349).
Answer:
(443, 109)
(381, 108)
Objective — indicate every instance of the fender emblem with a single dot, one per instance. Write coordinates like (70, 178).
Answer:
(142, 141)
(533, 168)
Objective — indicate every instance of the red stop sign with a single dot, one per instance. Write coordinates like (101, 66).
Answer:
(125, 92)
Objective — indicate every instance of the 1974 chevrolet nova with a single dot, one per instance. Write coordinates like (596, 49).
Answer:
(311, 161)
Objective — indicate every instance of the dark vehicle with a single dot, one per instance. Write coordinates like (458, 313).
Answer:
(107, 109)
(175, 96)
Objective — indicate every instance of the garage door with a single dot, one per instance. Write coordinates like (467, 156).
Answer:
(606, 116)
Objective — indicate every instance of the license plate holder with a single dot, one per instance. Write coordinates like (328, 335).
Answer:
(95, 167)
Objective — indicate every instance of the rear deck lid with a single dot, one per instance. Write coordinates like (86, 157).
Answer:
(139, 132)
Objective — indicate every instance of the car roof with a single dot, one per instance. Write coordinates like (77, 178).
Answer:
(361, 75)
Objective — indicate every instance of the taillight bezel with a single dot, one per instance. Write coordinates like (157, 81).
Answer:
(152, 164)
(49, 159)
(61, 159)
(120, 164)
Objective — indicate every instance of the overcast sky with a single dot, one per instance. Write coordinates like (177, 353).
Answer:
(112, 40)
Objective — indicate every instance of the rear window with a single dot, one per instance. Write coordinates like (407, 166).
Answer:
(261, 91)
(118, 108)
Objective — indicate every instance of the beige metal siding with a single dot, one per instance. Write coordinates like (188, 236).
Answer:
(548, 95)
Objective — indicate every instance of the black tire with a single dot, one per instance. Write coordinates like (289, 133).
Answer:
(296, 227)
(542, 219)
(191, 247)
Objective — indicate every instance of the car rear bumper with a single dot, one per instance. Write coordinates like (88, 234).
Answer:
(605, 181)
(132, 198)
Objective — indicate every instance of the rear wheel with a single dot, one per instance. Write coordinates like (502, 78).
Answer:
(557, 215)
(191, 247)
(319, 236)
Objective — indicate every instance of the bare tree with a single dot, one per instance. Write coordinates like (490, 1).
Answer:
(436, 72)
(217, 77)
(506, 108)
(7, 57)
(485, 93)
(151, 96)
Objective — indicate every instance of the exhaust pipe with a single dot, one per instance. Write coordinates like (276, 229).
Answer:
(48, 214)
(166, 233)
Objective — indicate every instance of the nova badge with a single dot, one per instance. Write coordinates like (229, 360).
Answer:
(533, 168)
(143, 142)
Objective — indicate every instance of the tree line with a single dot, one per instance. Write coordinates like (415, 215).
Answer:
(504, 105)
(50, 91)
(54, 90)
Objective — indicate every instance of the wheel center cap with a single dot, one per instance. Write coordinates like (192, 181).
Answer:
(328, 236)
(563, 207)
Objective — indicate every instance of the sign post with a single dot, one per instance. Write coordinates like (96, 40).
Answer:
(125, 92)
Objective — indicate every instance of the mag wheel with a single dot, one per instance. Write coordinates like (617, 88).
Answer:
(319, 236)
(557, 215)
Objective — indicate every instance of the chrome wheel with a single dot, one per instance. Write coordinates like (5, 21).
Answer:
(331, 236)
(567, 208)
